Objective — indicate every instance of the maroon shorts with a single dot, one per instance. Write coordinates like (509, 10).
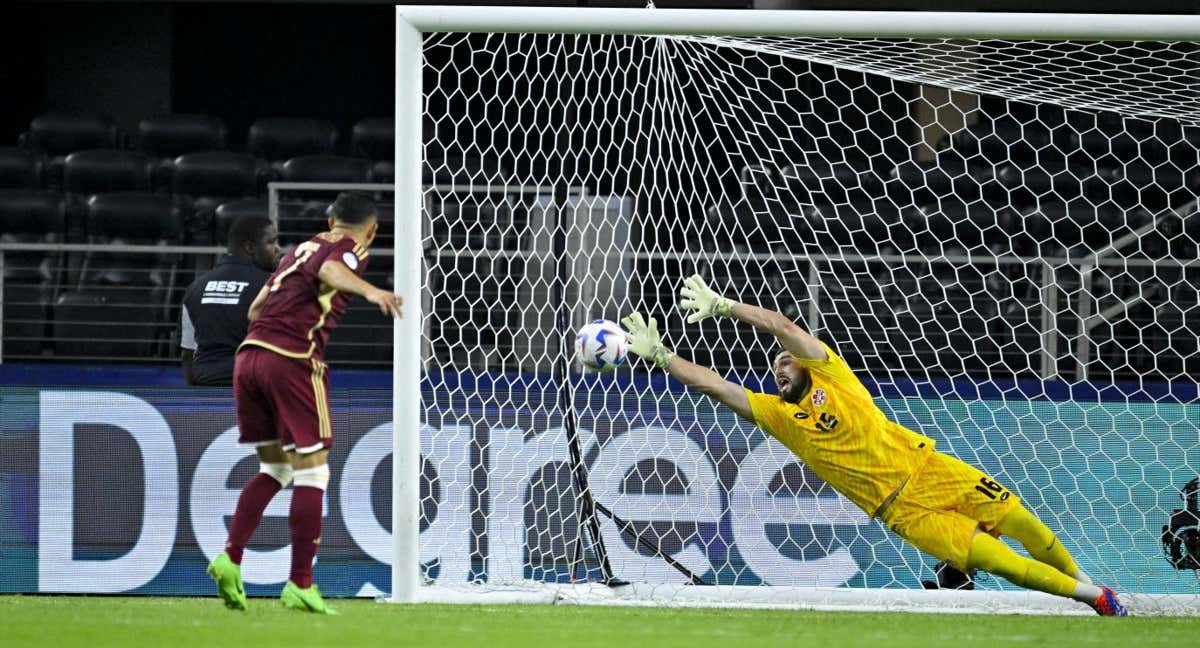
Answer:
(282, 399)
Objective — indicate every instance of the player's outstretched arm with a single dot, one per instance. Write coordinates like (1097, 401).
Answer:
(645, 342)
(704, 302)
(341, 278)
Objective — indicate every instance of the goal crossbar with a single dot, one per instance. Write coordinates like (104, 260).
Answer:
(815, 23)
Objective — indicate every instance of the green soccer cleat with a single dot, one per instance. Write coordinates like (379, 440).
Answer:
(229, 581)
(305, 600)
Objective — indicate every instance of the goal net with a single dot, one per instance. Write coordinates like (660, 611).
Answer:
(999, 236)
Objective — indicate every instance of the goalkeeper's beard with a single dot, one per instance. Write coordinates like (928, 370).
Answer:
(796, 388)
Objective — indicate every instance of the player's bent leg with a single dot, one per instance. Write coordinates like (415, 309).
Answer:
(310, 479)
(1040, 542)
(991, 555)
(273, 475)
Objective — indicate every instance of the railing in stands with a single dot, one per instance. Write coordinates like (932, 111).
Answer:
(120, 303)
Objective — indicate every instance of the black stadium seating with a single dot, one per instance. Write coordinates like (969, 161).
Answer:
(277, 139)
(20, 168)
(31, 279)
(122, 286)
(234, 175)
(825, 182)
(1036, 181)
(374, 138)
(325, 168)
(950, 174)
(106, 323)
(169, 136)
(133, 216)
(131, 219)
(60, 134)
(106, 170)
(201, 181)
(25, 211)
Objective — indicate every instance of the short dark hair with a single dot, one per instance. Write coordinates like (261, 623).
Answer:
(352, 208)
(246, 229)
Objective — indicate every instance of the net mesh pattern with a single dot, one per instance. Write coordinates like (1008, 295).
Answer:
(1000, 237)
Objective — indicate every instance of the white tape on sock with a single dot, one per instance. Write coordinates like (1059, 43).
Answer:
(281, 472)
(317, 477)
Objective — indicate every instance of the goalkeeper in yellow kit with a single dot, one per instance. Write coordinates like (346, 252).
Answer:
(825, 415)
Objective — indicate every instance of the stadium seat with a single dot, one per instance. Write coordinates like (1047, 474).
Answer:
(1030, 183)
(228, 212)
(326, 168)
(974, 228)
(1080, 227)
(276, 139)
(1009, 140)
(1154, 187)
(60, 134)
(946, 176)
(1115, 139)
(131, 219)
(831, 182)
(20, 169)
(201, 181)
(133, 216)
(135, 219)
(374, 138)
(31, 279)
(105, 323)
(106, 170)
(875, 227)
(383, 172)
(169, 136)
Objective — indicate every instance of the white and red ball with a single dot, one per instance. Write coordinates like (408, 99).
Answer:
(601, 345)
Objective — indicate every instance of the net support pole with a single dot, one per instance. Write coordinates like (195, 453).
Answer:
(406, 332)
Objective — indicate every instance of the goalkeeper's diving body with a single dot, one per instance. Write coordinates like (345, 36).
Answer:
(825, 415)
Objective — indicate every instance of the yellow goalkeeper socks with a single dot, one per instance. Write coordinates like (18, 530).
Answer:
(1040, 542)
(993, 556)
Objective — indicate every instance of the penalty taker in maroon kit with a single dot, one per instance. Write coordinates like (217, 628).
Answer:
(281, 390)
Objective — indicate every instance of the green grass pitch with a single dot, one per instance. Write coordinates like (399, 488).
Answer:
(181, 622)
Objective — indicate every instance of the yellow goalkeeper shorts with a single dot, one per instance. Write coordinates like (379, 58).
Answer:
(943, 503)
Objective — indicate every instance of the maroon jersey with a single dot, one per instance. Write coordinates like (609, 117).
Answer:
(300, 311)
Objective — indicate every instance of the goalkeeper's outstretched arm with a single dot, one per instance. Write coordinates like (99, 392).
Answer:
(704, 302)
(644, 341)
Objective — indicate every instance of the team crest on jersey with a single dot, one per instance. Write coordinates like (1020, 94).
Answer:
(818, 397)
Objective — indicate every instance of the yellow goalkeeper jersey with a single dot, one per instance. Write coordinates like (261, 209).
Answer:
(839, 432)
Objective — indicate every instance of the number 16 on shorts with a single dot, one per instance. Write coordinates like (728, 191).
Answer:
(991, 489)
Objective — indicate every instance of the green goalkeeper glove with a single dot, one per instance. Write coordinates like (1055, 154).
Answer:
(697, 296)
(644, 340)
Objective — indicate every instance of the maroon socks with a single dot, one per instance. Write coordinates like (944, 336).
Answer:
(256, 494)
(304, 521)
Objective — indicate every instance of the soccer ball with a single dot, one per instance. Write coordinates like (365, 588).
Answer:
(601, 345)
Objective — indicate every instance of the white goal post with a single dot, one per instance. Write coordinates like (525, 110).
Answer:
(576, 212)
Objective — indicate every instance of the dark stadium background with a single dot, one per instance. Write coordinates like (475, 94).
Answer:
(242, 60)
